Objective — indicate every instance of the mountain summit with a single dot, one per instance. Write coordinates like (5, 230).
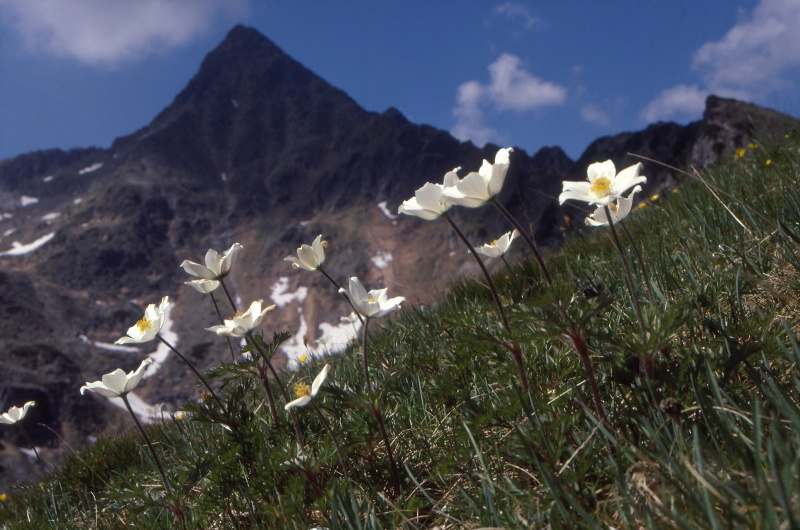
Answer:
(256, 149)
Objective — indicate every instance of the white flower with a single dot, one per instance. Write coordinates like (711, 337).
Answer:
(216, 267)
(619, 210)
(309, 257)
(373, 303)
(478, 187)
(603, 185)
(498, 247)
(305, 393)
(15, 414)
(147, 327)
(117, 383)
(242, 323)
(429, 202)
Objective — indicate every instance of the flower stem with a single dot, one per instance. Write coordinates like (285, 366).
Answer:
(149, 444)
(193, 369)
(628, 275)
(364, 345)
(640, 259)
(340, 290)
(376, 411)
(579, 343)
(263, 354)
(222, 321)
(228, 294)
(486, 274)
(528, 239)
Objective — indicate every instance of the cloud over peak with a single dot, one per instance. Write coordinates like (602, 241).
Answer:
(510, 88)
(106, 32)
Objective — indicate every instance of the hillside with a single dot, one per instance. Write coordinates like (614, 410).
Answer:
(257, 149)
(701, 403)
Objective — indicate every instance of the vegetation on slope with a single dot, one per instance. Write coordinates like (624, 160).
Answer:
(703, 416)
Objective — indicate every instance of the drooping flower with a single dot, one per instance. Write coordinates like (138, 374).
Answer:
(147, 327)
(477, 187)
(429, 202)
(371, 304)
(15, 414)
(242, 323)
(498, 247)
(604, 185)
(304, 393)
(117, 383)
(309, 257)
(619, 210)
(216, 268)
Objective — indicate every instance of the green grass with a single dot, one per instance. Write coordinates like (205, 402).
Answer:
(703, 423)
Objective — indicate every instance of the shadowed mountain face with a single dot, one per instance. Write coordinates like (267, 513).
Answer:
(260, 150)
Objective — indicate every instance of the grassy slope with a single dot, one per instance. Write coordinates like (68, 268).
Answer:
(710, 438)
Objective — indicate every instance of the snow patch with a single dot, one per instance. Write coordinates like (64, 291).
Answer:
(18, 249)
(9, 232)
(235, 103)
(48, 178)
(30, 453)
(223, 176)
(51, 216)
(27, 201)
(280, 295)
(385, 209)
(296, 345)
(90, 169)
(77, 201)
(5, 215)
(335, 338)
(382, 259)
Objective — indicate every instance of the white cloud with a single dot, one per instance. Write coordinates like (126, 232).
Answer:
(593, 114)
(747, 62)
(510, 88)
(110, 31)
(680, 100)
(756, 51)
(517, 12)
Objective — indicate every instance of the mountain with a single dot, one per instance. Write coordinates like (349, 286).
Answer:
(256, 149)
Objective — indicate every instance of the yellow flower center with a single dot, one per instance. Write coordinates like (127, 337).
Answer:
(601, 186)
(741, 152)
(493, 243)
(302, 358)
(144, 325)
(372, 299)
(301, 390)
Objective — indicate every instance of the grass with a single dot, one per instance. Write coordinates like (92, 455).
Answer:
(703, 425)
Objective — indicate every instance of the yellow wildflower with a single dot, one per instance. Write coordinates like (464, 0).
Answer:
(740, 152)
(3, 497)
(768, 162)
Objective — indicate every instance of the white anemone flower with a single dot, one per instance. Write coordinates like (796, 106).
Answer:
(309, 257)
(15, 414)
(371, 304)
(429, 202)
(216, 267)
(243, 323)
(478, 187)
(498, 247)
(619, 210)
(147, 327)
(117, 383)
(304, 393)
(603, 185)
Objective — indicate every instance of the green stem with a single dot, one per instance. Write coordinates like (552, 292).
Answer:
(149, 444)
(193, 369)
(342, 291)
(228, 294)
(627, 268)
(364, 345)
(528, 239)
(376, 410)
(222, 321)
(486, 274)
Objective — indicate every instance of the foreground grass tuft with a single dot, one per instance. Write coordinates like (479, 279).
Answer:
(703, 422)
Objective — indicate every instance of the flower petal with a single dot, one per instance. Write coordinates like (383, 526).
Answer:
(197, 270)
(299, 402)
(575, 190)
(228, 258)
(320, 379)
(115, 381)
(601, 169)
(203, 286)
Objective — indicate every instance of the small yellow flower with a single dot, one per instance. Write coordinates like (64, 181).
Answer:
(654, 197)
(768, 162)
(641, 205)
(302, 358)
(3, 497)
(740, 152)
(752, 146)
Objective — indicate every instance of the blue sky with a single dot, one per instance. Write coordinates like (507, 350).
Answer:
(82, 72)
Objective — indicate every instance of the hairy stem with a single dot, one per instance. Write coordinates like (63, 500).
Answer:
(528, 239)
(627, 268)
(365, 347)
(222, 321)
(160, 467)
(343, 293)
(192, 367)
(579, 343)
(228, 294)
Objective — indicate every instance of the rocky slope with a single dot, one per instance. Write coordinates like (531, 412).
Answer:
(260, 150)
